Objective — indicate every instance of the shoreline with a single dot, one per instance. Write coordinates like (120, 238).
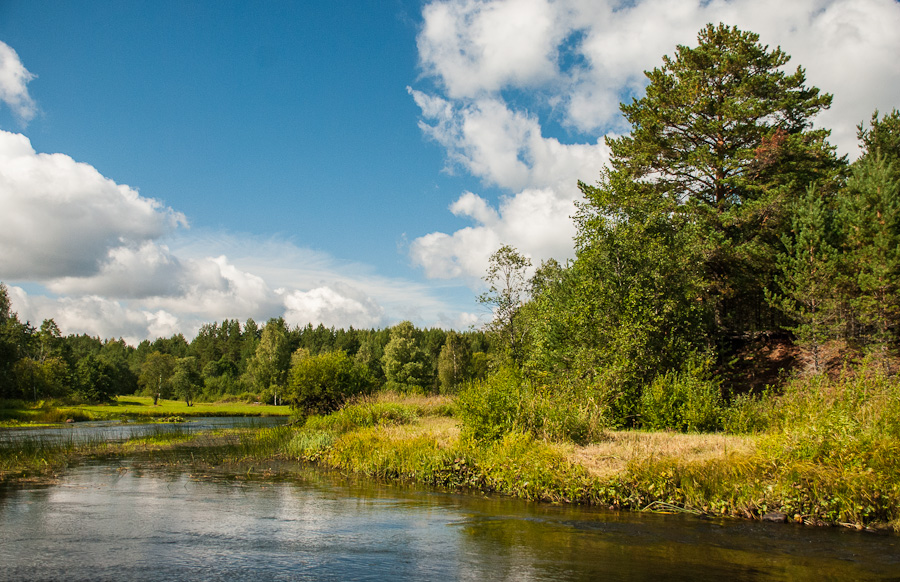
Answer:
(706, 475)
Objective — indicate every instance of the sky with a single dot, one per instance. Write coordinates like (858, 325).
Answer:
(165, 164)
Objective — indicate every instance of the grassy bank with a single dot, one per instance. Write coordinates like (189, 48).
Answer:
(128, 407)
(805, 468)
(827, 452)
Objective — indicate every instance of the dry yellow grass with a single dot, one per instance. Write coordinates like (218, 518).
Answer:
(608, 458)
(442, 429)
(424, 403)
(611, 457)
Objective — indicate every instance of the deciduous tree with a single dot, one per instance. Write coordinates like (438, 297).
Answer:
(507, 279)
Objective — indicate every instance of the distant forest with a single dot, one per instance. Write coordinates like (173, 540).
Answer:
(226, 360)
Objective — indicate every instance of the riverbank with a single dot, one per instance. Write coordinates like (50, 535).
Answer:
(43, 458)
(419, 440)
(702, 474)
(15, 413)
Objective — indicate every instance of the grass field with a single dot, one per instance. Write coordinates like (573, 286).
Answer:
(132, 407)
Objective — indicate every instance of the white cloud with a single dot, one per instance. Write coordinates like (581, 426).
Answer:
(474, 47)
(504, 147)
(63, 218)
(119, 266)
(578, 59)
(338, 305)
(14, 79)
(848, 48)
(98, 316)
(537, 222)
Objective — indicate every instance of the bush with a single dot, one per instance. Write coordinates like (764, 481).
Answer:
(506, 401)
(847, 420)
(687, 401)
(489, 409)
(322, 383)
(564, 415)
(748, 414)
(363, 415)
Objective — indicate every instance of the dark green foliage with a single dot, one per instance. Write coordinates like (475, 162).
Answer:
(269, 365)
(722, 141)
(156, 374)
(94, 380)
(678, 241)
(870, 220)
(186, 380)
(11, 337)
(490, 409)
(404, 361)
(809, 274)
(117, 354)
(882, 137)
(508, 287)
(689, 400)
(322, 383)
(454, 363)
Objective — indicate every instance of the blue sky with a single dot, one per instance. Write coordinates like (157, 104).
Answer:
(163, 164)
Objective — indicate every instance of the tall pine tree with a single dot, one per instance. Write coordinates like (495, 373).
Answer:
(723, 136)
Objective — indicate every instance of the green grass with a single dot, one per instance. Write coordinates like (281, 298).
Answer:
(132, 407)
(828, 454)
(142, 406)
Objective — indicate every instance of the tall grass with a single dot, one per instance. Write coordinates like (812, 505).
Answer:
(828, 453)
(32, 455)
(507, 402)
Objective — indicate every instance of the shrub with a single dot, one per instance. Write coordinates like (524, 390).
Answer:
(564, 415)
(320, 384)
(748, 414)
(363, 415)
(686, 401)
(489, 409)
(505, 401)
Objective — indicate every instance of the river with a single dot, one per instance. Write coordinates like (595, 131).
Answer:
(117, 430)
(121, 520)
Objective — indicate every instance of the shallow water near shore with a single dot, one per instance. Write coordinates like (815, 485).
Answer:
(117, 520)
(117, 430)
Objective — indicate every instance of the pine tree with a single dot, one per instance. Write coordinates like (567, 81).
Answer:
(723, 137)
(809, 274)
(871, 215)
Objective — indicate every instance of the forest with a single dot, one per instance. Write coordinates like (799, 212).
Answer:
(726, 249)
(228, 361)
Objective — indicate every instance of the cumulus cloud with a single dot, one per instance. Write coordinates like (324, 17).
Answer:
(503, 147)
(338, 305)
(62, 218)
(114, 263)
(538, 222)
(498, 81)
(475, 47)
(99, 316)
(14, 79)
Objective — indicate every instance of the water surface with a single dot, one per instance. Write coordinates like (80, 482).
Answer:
(117, 430)
(115, 520)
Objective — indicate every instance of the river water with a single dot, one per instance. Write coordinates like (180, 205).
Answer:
(117, 520)
(117, 430)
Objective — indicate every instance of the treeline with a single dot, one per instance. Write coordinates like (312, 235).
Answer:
(227, 360)
(725, 218)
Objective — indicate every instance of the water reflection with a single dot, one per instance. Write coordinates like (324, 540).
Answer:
(116, 430)
(118, 521)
